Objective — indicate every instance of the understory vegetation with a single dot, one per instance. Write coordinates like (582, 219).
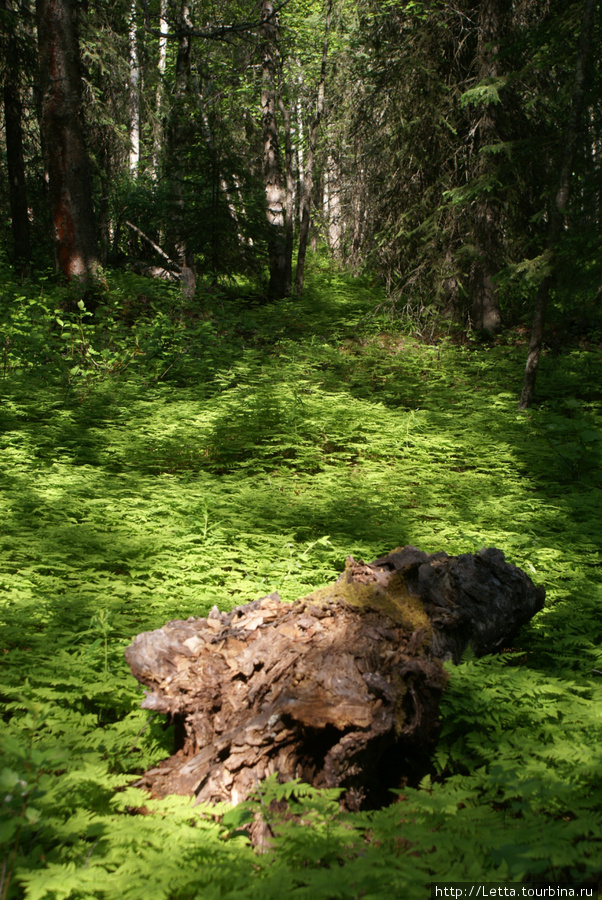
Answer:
(159, 457)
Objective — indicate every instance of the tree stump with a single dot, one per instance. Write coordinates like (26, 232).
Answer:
(339, 688)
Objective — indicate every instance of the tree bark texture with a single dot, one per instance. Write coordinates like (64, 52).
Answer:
(69, 180)
(573, 133)
(179, 134)
(159, 96)
(15, 163)
(308, 178)
(134, 97)
(332, 205)
(289, 202)
(272, 169)
(340, 688)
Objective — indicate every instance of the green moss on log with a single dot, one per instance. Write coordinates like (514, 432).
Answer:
(389, 597)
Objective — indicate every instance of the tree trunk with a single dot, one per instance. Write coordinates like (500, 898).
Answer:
(161, 63)
(308, 180)
(289, 202)
(178, 134)
(300, 148)
(134, 94)
(106, 176)
(557, 214)
(340, 689)
(332, 205)
(69, 180)
(272, 170)
(13, 125)
(485, 310)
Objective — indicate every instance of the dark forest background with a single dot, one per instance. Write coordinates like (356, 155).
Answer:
(452, 149)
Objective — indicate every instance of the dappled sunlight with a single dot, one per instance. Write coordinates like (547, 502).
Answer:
(217, 472)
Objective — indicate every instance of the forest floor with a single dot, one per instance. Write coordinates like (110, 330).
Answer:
(159, 462)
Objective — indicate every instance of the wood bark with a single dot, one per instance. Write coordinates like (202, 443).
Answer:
(558, 211)
(272, 169)
(308, 178)
(178, 139)
(299, 147)
(332, 205)
(67, 163)
(134, 98)
(159, 98)
(289, 201)
(340, 688)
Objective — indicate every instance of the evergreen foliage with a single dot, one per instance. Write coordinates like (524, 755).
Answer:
(159, 458)
(426, 178)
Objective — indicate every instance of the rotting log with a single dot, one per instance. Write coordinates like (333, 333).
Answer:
(340, 688)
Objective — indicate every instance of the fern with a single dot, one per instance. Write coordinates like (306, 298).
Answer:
(198, 461)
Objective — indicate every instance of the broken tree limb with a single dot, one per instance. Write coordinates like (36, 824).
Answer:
(155, 247)
(340, 688)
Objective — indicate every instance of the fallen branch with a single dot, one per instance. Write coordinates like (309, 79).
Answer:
(155, 247)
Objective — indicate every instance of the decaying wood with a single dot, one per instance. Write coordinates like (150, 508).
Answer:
(340, 688)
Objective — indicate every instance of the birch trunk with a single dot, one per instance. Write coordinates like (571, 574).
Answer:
(134, 95)
(289, 202)
(272, 170)
(332, 205)
(161, 63)
(299, 148)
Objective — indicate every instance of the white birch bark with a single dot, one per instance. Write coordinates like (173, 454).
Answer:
(300, 152)
(161, 63)
(134, 95)
(332, 204)
(274, 184)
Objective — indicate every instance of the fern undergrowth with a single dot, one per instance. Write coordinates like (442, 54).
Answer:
(154, 468)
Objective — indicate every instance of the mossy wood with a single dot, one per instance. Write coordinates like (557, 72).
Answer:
(340, 688)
